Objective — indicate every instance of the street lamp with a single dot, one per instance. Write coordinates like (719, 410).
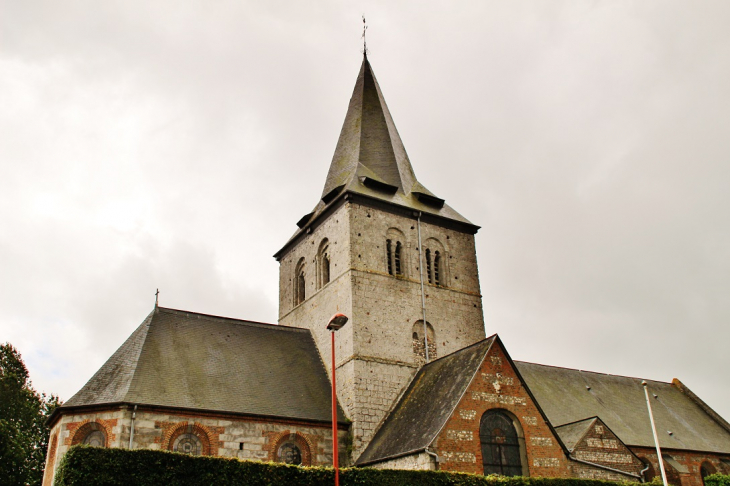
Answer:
(335, 324)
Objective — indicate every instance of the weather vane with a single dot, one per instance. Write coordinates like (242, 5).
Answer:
(364, 40)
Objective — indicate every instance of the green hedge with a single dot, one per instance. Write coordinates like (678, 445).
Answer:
(111, 467)
(717, 480)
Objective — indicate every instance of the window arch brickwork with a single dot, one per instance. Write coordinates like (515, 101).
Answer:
(51, 462)
(173, 431)
(286, 445)
(79, 431)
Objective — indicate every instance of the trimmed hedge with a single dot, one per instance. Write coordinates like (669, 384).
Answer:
(717, 480)
(83, 465)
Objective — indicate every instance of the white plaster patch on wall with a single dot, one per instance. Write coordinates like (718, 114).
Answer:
(546, 462)
(459, 435)
(602, 443)
(604, 457)
(530, 420)
(599, 429)
(467, 414)
(498, 378)
(541, 441)
(459, 457)
(496, 360)
(492, 398)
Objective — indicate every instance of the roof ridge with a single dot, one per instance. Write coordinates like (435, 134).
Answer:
(234, 319)
(593, 372)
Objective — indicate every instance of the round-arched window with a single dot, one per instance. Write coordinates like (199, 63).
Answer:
(500, 444)
(188, 443)
(91, 433)
(95, 439)
(706, 469)
(289, 453)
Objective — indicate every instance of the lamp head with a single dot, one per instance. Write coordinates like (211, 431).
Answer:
(336, 322)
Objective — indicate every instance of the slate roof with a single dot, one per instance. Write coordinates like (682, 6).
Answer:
(426, 405)
(568, 395)
(187, 360)
(370, 160)
(571, 434)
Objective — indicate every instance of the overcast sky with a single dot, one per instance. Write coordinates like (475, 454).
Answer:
(174, 145)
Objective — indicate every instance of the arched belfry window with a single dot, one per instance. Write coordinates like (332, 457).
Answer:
(323, 262)
(435, 262)
(502, 444)
(299, 283)
(394, 253)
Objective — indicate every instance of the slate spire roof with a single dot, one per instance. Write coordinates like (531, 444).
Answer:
(370, 160)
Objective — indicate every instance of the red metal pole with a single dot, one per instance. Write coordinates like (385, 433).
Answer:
(335, 458)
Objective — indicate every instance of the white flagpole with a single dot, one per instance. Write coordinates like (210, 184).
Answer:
(656, 439)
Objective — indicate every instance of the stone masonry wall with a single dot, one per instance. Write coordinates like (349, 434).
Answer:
(227, 436)
(422, 462)
(375, 353)
(496, 386)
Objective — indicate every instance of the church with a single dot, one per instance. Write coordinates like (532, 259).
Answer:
(419, 384)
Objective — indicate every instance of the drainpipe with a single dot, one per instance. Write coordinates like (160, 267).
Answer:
(131, 428)
(434, 455)
(423, 292)
(643, 471)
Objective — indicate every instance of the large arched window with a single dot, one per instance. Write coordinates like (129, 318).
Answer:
(502, 444)
(299, 283)
(323, 261)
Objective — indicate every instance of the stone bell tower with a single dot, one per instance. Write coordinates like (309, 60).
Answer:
(358, 253)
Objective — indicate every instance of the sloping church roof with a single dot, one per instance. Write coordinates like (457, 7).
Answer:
(568, 395)
(427, 404)
(186, 360)
(371, 161)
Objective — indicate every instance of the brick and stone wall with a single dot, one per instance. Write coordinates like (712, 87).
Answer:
(601, 446)
(688, 474)
(375, 352)
(222, 435)
(496, 386)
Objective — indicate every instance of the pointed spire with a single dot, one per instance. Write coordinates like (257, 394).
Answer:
(369, 141)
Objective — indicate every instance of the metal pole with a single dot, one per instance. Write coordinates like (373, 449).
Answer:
(335, 458)
(423, 293)
(656, 439)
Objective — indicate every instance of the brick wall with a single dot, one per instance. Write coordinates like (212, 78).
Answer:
(601, 446)
(496, 386)
(690, 462)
